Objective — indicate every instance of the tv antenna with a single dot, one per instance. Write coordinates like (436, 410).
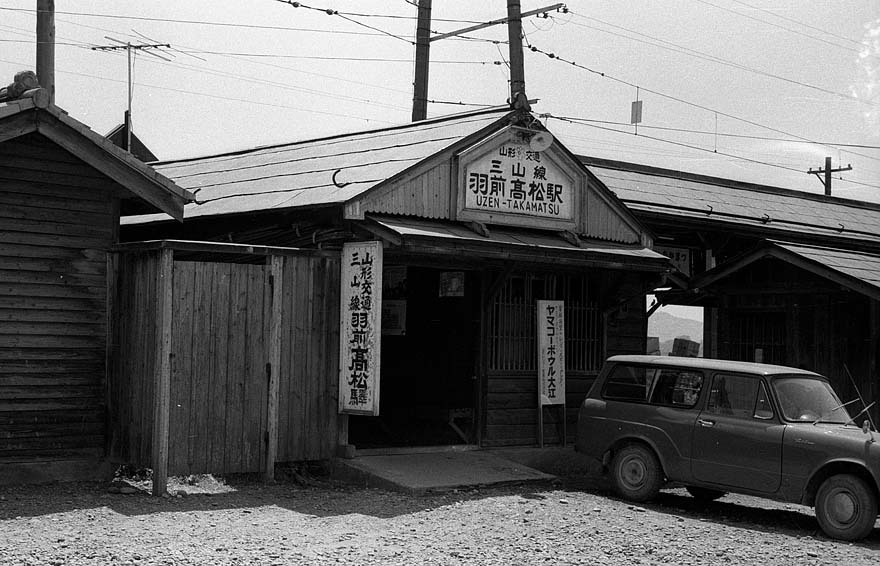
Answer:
(153, 48)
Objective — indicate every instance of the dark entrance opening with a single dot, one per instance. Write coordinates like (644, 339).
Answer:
(430, 344)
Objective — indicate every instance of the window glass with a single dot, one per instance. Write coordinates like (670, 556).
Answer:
(734, 395)
(763, 409)
(628, 383)
(676, 387)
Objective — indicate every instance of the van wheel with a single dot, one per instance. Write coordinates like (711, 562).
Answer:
(845, 507)
(636, 473)
(704, 494)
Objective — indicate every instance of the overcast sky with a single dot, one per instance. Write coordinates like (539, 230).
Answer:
(729, 88)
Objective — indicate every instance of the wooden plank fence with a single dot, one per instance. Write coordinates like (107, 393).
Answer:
(224, 366)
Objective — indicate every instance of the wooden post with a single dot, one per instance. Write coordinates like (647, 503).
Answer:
(46, 46)
(423, 50)
(162, 369)
(273, 367)
(517, 71)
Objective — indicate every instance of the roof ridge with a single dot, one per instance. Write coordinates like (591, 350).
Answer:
(435, 120)
(723, 182)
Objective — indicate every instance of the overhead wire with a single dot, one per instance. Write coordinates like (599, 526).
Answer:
(753, 18)
(815, 28)
(670, 46)
(551, 55)
(703, 149)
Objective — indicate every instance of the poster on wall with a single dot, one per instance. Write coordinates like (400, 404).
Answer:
(360, 328)
(551, 352)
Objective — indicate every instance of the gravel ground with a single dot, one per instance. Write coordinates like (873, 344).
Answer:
(574, 521)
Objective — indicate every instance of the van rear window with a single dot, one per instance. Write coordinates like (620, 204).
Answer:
(628, 383)
(668, 386)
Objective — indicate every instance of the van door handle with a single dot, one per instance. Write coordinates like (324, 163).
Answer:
(706, 423)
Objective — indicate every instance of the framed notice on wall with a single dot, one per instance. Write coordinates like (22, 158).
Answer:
(551, 352)
(360, 330)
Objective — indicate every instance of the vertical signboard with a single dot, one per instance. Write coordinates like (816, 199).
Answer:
(551, 352)
(360, 328)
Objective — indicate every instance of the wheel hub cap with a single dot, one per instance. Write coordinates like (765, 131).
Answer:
(842, 507)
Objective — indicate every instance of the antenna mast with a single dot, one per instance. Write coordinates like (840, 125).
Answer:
(129, 48)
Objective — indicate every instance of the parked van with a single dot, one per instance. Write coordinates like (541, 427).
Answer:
(719, 426)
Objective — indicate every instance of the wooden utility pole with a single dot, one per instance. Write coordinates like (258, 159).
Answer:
(827, 172)
(46, 46)
(423, 55)
(518, 97)
(420, 85)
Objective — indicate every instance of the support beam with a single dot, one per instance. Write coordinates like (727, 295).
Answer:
(273, 366)
(162, 369)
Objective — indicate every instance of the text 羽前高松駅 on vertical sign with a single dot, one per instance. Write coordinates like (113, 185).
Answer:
(360, 328)
(551, 352)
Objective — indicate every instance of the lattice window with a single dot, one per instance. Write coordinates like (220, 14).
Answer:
(512, 323)
(757, 336)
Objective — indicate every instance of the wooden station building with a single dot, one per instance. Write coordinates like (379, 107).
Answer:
(62, 191)
(453, 229)
(785, 277)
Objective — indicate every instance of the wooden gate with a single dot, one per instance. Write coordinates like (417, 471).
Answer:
(224, 366)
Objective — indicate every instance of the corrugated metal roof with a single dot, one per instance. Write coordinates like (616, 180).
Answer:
(519, 238)
(316, 172)
(862, 266)
(771, 209)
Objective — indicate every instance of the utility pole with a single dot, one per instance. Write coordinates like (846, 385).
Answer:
(46, 46)
(420, 85)
(129, 48)
(827, 172)
(517, 70)
(423, 53)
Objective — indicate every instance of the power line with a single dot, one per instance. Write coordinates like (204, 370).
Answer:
(753, 7)
(703, 149)
(722, 134)
(331, 12)
(712, 58)
(813, 37)
(674, 98)
(198, 22)
(216, 96)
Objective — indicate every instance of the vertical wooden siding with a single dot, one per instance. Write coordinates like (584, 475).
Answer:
(131, 387)
(220, 351)
(57, 221)
(308, 388)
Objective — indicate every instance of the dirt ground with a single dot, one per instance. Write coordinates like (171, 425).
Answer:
(241, 521)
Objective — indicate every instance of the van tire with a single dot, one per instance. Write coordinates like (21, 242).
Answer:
(636, 473)
(846, 507)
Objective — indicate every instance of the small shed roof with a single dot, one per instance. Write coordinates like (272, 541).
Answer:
(771, 211)
(859, 271)
(24, 116)
(323, 171)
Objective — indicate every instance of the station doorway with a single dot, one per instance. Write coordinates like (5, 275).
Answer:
(430, 350)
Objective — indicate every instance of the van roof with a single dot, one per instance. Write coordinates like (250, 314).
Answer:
(712, 364)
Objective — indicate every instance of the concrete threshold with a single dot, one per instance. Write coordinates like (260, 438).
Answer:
(434, 469)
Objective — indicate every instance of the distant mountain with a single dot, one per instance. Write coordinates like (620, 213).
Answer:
(668, 327)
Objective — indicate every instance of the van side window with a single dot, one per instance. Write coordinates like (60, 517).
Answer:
(678, 388)
(734, 395)
(628, 383)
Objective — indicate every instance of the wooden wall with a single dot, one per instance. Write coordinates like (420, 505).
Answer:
(817, 325)
(58, 218)
(610, 308)
(221, 403)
